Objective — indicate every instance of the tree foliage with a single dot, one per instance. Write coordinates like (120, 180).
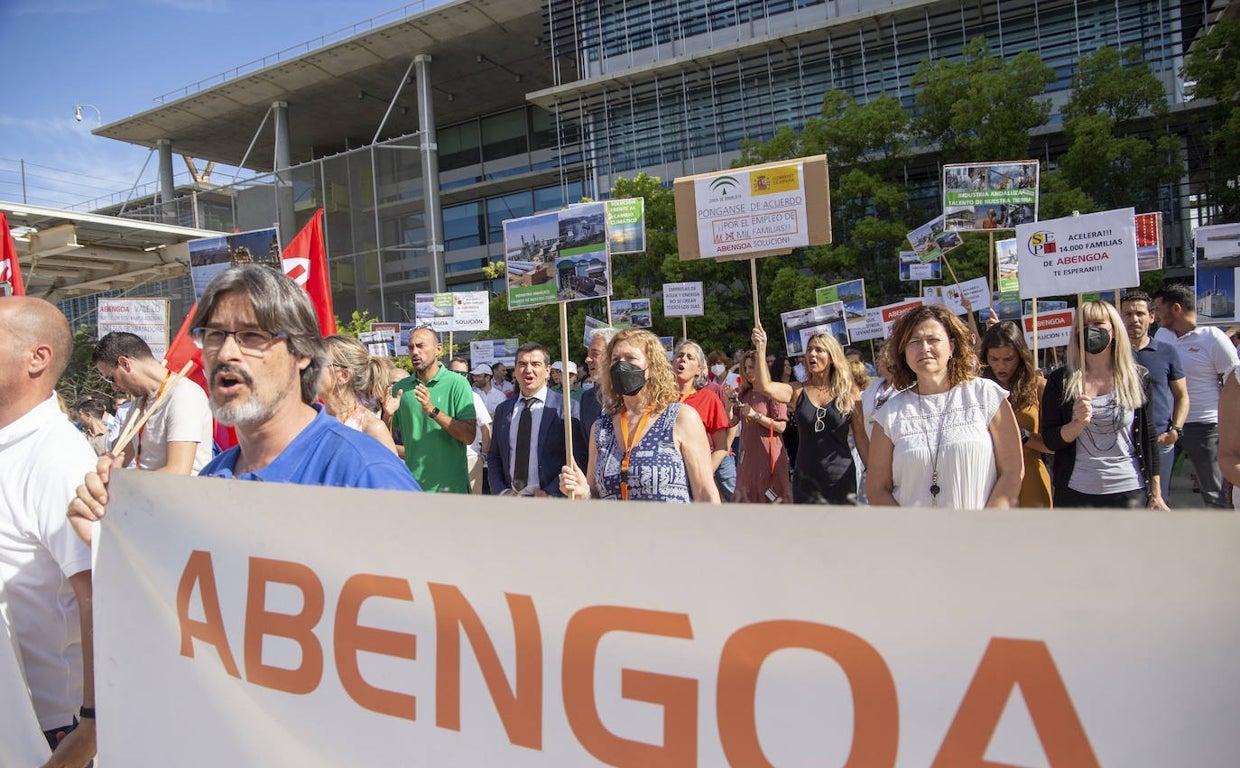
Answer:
(980, 106)
(81, 378)
(1214, 65)
(1120, 149)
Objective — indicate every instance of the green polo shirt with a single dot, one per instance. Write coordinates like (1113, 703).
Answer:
(436, 459)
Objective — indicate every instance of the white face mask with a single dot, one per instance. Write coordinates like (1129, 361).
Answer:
(798, 370)
(717, 369)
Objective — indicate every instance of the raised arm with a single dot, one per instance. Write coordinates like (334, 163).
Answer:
(763, 384)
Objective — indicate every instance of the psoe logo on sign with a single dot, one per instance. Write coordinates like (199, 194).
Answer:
(1042, 243)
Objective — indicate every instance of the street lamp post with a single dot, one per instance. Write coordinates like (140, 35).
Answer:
(77, 113)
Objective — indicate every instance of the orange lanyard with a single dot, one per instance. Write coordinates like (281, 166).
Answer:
(628, 446)
(146, 400)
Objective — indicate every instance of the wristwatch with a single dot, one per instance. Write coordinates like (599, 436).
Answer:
(434, 413)
(1173, 428)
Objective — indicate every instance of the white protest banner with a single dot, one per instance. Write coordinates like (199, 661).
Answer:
(892, 312)
(471, 311)
(1078, 254)
(145, 318)
(522, 632)
(435, 310)
(491, 351)
(912, 268)
(800, 325)
(683, 300)
(1054, 328)
(952, 296)
(1217, 241)
(754, 211)
(869, 327)
(21, 739)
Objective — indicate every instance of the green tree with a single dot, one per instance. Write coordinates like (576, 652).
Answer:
(1120, 149)
(1213, 71)
(81, 378)
(980, 106)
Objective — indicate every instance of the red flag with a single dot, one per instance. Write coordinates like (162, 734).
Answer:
(183, 349)
(10, 270)
(305, 261)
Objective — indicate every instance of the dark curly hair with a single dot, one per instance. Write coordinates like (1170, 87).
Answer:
(963, 364)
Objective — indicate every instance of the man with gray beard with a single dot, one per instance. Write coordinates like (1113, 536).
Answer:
(263, 353)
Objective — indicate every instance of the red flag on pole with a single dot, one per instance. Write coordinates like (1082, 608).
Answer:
(10, 270)
(305, 261)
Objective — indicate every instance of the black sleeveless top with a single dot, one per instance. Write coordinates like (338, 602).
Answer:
(825, 471)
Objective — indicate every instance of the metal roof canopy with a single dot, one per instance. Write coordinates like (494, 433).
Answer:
(66, 254)
(485, 55)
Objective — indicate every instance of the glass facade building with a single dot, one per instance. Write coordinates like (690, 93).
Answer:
(670, 88)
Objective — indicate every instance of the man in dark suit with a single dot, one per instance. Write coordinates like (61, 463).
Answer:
(527, 434)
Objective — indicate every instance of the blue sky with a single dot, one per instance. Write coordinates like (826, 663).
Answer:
(119, 55)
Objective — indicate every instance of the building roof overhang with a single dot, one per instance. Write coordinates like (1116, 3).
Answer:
(485, 54)
(65, 254)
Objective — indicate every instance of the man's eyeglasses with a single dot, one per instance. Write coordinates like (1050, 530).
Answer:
(212, 339)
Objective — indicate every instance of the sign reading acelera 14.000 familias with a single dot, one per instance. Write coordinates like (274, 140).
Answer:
(760, 210)
(1078, 254)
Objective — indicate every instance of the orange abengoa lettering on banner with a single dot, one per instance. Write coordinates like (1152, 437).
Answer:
(1007, 664)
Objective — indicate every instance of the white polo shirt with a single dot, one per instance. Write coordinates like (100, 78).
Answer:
(43, 459)
(1206, 354)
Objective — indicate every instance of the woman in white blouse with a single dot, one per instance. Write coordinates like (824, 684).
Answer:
(948, 438)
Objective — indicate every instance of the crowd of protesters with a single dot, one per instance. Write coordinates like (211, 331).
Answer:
(945, 416)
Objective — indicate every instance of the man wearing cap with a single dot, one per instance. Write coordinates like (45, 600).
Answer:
(484, 387)
(527, 439)
(557, 380)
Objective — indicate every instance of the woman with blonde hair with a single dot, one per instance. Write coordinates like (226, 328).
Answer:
(825, 410)
(1097, 418)
(946, 438)
(646, 445)
(352, 384)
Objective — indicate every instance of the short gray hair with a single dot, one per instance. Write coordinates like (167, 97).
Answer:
(280, 306)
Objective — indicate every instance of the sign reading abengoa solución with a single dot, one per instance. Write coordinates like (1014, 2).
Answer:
(759, 210)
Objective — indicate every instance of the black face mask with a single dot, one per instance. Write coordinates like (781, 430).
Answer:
(626, 378)
(1096, 340)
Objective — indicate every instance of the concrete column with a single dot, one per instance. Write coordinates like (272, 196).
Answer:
(432, 214)
(167, 186)
(284, 181)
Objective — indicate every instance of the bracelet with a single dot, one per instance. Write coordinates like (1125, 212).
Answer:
(87, 713)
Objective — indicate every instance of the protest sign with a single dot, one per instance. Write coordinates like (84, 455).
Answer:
(1217, 241)
(759, 210)
(399, 648)
(1054, 328)
(683, 300)
(626, 225)
(491, 351)
(1077, 254)
(869, 327)
(145, 318)
(952, 296)
(850, 293)
(802, 324)
(209, 256)
(531, 245)
(892, 312)
(912, 268)
(930, 241)
(990, 196)
(631, 313)
(1149, 241)
(450, 312)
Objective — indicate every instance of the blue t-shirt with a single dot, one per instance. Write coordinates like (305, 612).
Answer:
(1163, 362)
(325, 453)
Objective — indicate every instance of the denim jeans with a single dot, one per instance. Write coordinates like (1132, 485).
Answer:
(1200, 442)
(725, 477)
